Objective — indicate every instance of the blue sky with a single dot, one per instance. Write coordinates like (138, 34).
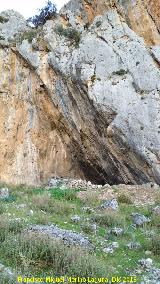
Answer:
(27, 8)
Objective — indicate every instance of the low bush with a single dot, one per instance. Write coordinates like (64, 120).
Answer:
(155, 221)
(46, 13)
(124, 198)
(65, 194)
(90, 198)
(2, 208)
(9, 226)
(32, 248)
(50, 205)
(155, 245)
(109, 219)
(28, 35)
(72, 34)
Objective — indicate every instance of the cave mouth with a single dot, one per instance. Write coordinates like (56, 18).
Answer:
(98, 176)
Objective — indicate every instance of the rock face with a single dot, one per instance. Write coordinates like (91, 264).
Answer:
(89, 111)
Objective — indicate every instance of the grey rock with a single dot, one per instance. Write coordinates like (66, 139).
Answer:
(148, 252)
(33, 58)
(30, 213)
(67, 236)
(112, 204)
(139, 219)
(120, 85)
(146, 263)
(108, 250)
(111, 247)
(14, 25)
(5, 271)
(133, 246)
(117, 231)
(88, 209)
(55, 182)
(4, 193)
(156, 210)
(21, 206)
(76, 219)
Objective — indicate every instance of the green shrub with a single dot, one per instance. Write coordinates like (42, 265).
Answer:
(120, 72)
(11, 198)
(48, 12)
(48, 204)
(123, 198)
(90, 198)
(2, 208)
(98, 24)
(87, 228)
(155, 221)
(155, 245)
(50, 253)
(109, 218)
(70, 33)
(9, 226)
(29, 35)
(64, 194)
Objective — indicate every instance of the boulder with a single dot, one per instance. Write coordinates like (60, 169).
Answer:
(4, 193)
(110, 204)
(139, 219)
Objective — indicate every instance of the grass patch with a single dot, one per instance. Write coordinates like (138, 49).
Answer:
(90, 198)
(34, 249)
(64, 194)
(155, 245)
(109, 219)
(2, 208)
(124, 198)
(8, 226)
(46, 203)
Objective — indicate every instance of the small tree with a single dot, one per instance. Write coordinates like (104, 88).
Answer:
(46, 13)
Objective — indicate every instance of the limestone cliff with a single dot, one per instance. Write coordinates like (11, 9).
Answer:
(88, 110)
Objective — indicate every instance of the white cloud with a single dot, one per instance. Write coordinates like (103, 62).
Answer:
(27, 8)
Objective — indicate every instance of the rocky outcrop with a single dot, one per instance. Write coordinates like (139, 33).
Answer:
(90, 111)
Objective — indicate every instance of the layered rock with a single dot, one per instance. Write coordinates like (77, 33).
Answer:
(90, 111)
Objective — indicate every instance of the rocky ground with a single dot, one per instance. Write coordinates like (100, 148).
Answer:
(74, 228)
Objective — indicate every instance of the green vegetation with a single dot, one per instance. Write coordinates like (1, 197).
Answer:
(31, 253)
(29, 35)
(155, 245)
(98, 24)
(70, 33)
(109, 219)
(120, 72)
(123, 198)
(31, 249)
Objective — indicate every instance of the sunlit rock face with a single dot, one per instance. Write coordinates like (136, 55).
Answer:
(89, 111)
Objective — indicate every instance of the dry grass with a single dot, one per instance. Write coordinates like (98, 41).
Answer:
(124, 198)
(46, 203)
(89, 197)
(109, 218)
